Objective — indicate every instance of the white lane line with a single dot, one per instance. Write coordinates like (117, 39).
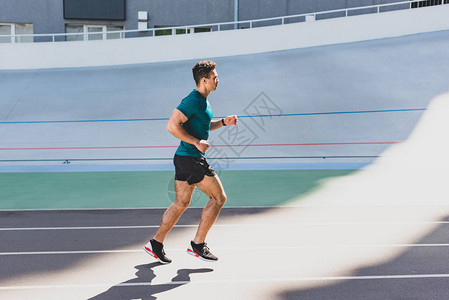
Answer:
(145, 208)
(289, 207)
(264, 248)
(69, 252)
(86, 227)
(229, 225)
(235, 280)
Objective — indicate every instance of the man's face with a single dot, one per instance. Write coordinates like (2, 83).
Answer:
(212, 82)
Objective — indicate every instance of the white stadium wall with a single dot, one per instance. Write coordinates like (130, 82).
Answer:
(223, 43)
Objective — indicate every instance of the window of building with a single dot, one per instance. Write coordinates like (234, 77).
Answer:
(202, 29)
(92, 32)
(162, 31)
(95, 9)
(5, 29)
(429, 3)
(158, 32)
(15, 29)
(110, 34)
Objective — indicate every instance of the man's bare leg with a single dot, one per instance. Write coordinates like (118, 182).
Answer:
(171, 216)
(213, 188)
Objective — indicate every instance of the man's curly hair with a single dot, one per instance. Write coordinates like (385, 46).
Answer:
(203, 69)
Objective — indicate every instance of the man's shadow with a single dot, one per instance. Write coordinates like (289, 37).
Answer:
(141, 287)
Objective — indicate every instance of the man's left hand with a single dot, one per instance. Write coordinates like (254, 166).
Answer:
(231, 120)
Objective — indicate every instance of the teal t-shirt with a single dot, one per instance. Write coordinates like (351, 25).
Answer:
(199, 114)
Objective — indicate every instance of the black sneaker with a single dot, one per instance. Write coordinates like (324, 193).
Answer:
(201, 251)
(156, 249)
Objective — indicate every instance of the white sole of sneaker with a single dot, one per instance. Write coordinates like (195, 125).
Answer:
(150, 252)
(193, 253)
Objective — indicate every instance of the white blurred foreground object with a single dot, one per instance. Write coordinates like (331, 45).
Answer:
(428, 145)
(412, 173)
(418, 168)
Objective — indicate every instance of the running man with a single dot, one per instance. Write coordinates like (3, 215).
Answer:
(191, 122)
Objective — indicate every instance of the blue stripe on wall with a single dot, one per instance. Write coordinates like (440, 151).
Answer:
(243, 116)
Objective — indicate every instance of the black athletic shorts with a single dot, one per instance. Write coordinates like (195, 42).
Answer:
(191, 169)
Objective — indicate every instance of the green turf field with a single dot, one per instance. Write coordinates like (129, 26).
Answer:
(150, 189)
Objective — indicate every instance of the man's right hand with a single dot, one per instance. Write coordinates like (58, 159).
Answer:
(202, 145)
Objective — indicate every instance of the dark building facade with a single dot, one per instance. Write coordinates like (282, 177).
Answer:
(97, 18)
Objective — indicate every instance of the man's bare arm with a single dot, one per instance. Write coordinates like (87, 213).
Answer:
(230, 120)
(174, 127)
